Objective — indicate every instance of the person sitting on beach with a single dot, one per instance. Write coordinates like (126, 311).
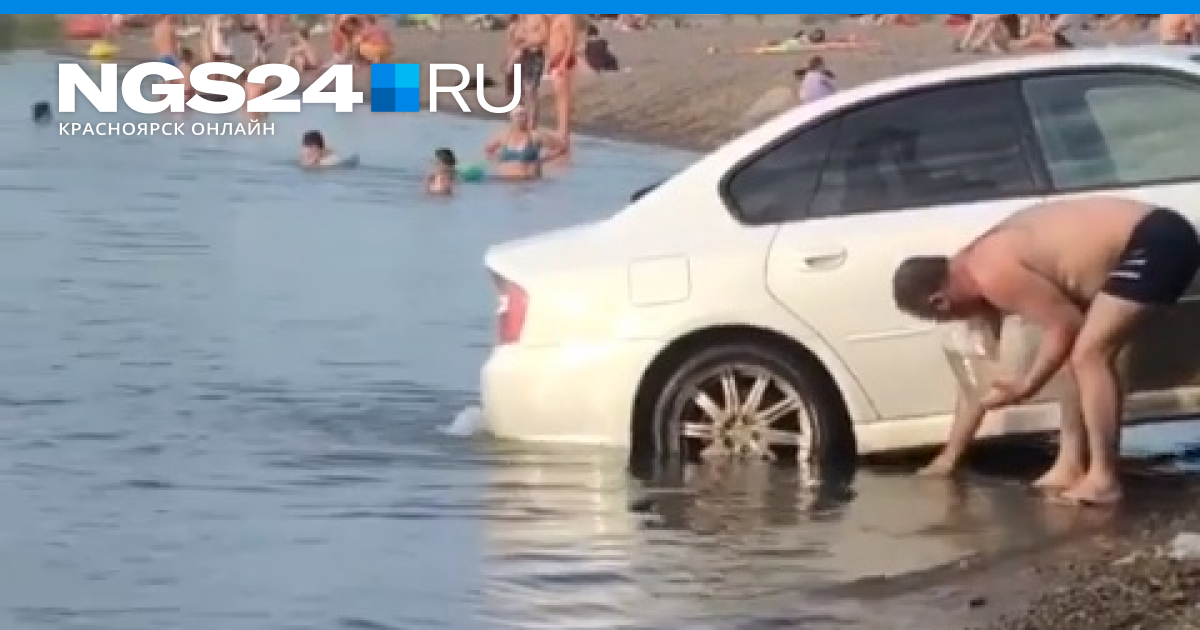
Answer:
(993, 31)
(315, 154)
(262, 49)
(302, 54)
(440, 180)
(816, 81)
(1052, 35)
(348, 31)
(597, 54)
(519, 151)
(632, 22)
(375, 41)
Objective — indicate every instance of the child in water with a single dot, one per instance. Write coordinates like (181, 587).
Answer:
(42, 113)
(445, 171)
(314, 153)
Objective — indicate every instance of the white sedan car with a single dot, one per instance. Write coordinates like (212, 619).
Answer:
(746, 305)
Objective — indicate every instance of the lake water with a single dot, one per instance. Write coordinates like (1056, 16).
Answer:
(236, 395)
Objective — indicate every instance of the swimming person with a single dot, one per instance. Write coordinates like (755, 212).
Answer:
(519, 151)
(42, 114)
(1086, 294)
(440, 180)
(315, 154)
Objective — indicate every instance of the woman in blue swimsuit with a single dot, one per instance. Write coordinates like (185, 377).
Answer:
(518, 152)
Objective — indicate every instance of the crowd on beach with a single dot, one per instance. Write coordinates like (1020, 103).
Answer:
(540, 48)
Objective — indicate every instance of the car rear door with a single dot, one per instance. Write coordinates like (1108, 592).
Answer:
(1132, 131)
(914, 174)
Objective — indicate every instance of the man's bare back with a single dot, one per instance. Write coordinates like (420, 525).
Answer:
(1072, 244)
(1085, 271)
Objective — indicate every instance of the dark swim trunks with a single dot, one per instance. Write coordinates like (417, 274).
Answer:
(1159, 262)
(533, 66)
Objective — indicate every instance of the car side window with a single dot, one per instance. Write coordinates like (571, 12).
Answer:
(1115, 128)
(949, 145)
(777, 185)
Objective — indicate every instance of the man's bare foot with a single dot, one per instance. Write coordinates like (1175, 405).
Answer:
(1092, 492)
(940, 467)
(1059, 477)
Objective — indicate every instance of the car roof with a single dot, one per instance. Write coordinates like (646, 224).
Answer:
(1155, 54)
(1036, 62)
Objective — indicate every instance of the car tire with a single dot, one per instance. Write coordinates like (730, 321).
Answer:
(820, 412)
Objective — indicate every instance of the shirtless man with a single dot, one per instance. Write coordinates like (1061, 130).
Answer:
(527, 47)
(561, 50)
(1086, 295)
(1176, 28)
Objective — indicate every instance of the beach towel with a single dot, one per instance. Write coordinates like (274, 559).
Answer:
(788, 48)
(424, 20)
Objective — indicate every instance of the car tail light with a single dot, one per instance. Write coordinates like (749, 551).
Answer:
(511, 304)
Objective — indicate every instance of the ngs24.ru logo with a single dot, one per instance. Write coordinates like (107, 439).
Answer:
(73, 78)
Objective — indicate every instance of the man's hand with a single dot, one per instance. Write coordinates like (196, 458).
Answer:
(1002, 394)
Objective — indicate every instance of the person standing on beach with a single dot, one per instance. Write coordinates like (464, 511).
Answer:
(561, 49)
(1087, 295)
(216, 38)
(166, 44)
(527, 36)
(1176, 28)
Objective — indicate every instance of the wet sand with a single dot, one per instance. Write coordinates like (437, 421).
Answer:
(678, 91)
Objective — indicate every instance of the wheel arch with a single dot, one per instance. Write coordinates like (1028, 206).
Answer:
(678, 351)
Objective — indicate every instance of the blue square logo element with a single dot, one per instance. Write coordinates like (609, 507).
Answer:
(395, 87)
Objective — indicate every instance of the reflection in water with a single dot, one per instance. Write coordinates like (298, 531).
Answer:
(572, 532)
(220, 376)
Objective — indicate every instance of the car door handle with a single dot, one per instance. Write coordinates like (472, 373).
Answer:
(821, 260)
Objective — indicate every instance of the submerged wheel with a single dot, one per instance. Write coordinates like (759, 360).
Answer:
(750, 401)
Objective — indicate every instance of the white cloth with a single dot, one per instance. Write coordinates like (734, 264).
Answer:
(816, 85)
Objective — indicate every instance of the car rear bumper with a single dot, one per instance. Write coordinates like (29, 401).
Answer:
(567, 394)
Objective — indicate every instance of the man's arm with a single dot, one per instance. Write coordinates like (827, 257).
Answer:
(1029, 295)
